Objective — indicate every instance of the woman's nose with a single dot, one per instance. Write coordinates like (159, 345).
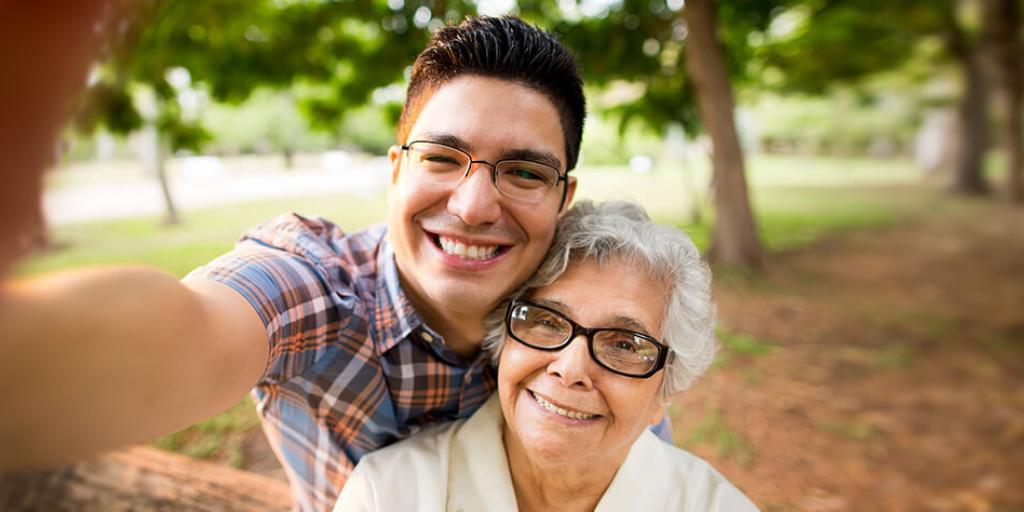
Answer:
(572, 365)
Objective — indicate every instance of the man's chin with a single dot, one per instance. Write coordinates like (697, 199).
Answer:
(467, 300)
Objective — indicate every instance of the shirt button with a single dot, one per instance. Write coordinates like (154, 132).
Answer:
(427, 337)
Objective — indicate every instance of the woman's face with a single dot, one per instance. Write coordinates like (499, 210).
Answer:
(561, 407)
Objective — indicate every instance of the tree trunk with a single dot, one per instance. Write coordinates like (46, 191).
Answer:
(289, 157)
(968, 175)
(160, 169)
(142, 479)
(734, 238)
(1002, 21)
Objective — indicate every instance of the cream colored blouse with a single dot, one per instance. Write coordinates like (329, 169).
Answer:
(462, 466)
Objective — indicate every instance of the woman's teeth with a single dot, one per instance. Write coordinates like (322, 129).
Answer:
(469, 252)
(576, 415)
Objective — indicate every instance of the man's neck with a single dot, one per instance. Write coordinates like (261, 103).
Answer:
(459, 334)
(462, 331)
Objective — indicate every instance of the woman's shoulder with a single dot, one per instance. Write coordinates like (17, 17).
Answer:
(695, 484)
(424, 447)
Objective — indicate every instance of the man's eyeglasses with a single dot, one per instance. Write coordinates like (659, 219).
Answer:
(622, 351)
(523, 180)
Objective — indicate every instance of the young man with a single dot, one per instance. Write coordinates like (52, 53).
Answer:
(371, 335)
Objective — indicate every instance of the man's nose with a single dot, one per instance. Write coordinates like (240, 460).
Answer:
(572, 364)
(475, 200)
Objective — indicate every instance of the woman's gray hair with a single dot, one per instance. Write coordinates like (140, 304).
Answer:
(621, 231)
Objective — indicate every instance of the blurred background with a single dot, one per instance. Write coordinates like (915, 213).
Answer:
(863, 209)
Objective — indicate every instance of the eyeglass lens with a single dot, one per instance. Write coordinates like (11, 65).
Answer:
(519, 179)
(624, 351)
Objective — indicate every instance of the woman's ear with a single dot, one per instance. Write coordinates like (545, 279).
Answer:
(659, 413)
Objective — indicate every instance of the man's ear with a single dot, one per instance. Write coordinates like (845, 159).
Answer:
(395, 159)
(570, 192)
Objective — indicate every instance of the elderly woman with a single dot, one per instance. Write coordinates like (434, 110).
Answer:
(616, 320)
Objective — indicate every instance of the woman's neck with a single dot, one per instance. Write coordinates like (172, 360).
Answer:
(564, 487)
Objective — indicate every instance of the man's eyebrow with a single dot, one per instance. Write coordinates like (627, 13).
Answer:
(533, 155)
(447, 139)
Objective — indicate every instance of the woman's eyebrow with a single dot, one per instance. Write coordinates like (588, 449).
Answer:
(553, 304)
(618, 321)
(628, 322)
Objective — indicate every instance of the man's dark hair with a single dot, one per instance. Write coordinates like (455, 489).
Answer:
(506, 48)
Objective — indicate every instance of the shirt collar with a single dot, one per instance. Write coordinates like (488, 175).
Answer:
(478, 474)
(645, 468)
(395, 318)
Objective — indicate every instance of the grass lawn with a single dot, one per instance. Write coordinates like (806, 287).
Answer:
(797, 201)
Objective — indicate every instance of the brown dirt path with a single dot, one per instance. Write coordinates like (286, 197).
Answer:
(878, 370)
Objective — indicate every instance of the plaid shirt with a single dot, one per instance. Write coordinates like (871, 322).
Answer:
(352, 367)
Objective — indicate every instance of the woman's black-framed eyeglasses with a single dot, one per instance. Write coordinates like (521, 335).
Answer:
(523, 180)
(621, 351)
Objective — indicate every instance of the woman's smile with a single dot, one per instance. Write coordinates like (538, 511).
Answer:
(566, 412)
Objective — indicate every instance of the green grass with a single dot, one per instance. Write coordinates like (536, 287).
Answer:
(712, 430)
(739, 346)
(220, 437)
(855, 429)
(894, 356)
(1002, 345)
(203, 235)
(797, 202)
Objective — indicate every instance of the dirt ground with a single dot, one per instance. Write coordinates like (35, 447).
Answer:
(882, 370)
(878, 370)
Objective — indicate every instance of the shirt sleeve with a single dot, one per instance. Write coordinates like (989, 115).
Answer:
(290, 296)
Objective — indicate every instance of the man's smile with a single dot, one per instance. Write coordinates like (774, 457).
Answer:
(466, 248)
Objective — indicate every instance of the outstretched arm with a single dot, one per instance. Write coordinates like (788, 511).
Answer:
(94, 359)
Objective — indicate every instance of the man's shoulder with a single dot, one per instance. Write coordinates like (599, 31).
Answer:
(315, 237)
(293, 260)
(345, 260)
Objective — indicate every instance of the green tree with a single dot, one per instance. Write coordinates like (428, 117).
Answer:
(845, 41)
(686, 60)
(340, 51)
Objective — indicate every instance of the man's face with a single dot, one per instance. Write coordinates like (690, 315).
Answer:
(460, 250)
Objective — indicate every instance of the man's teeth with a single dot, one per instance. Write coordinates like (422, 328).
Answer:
(576, 415)
(469, 252)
